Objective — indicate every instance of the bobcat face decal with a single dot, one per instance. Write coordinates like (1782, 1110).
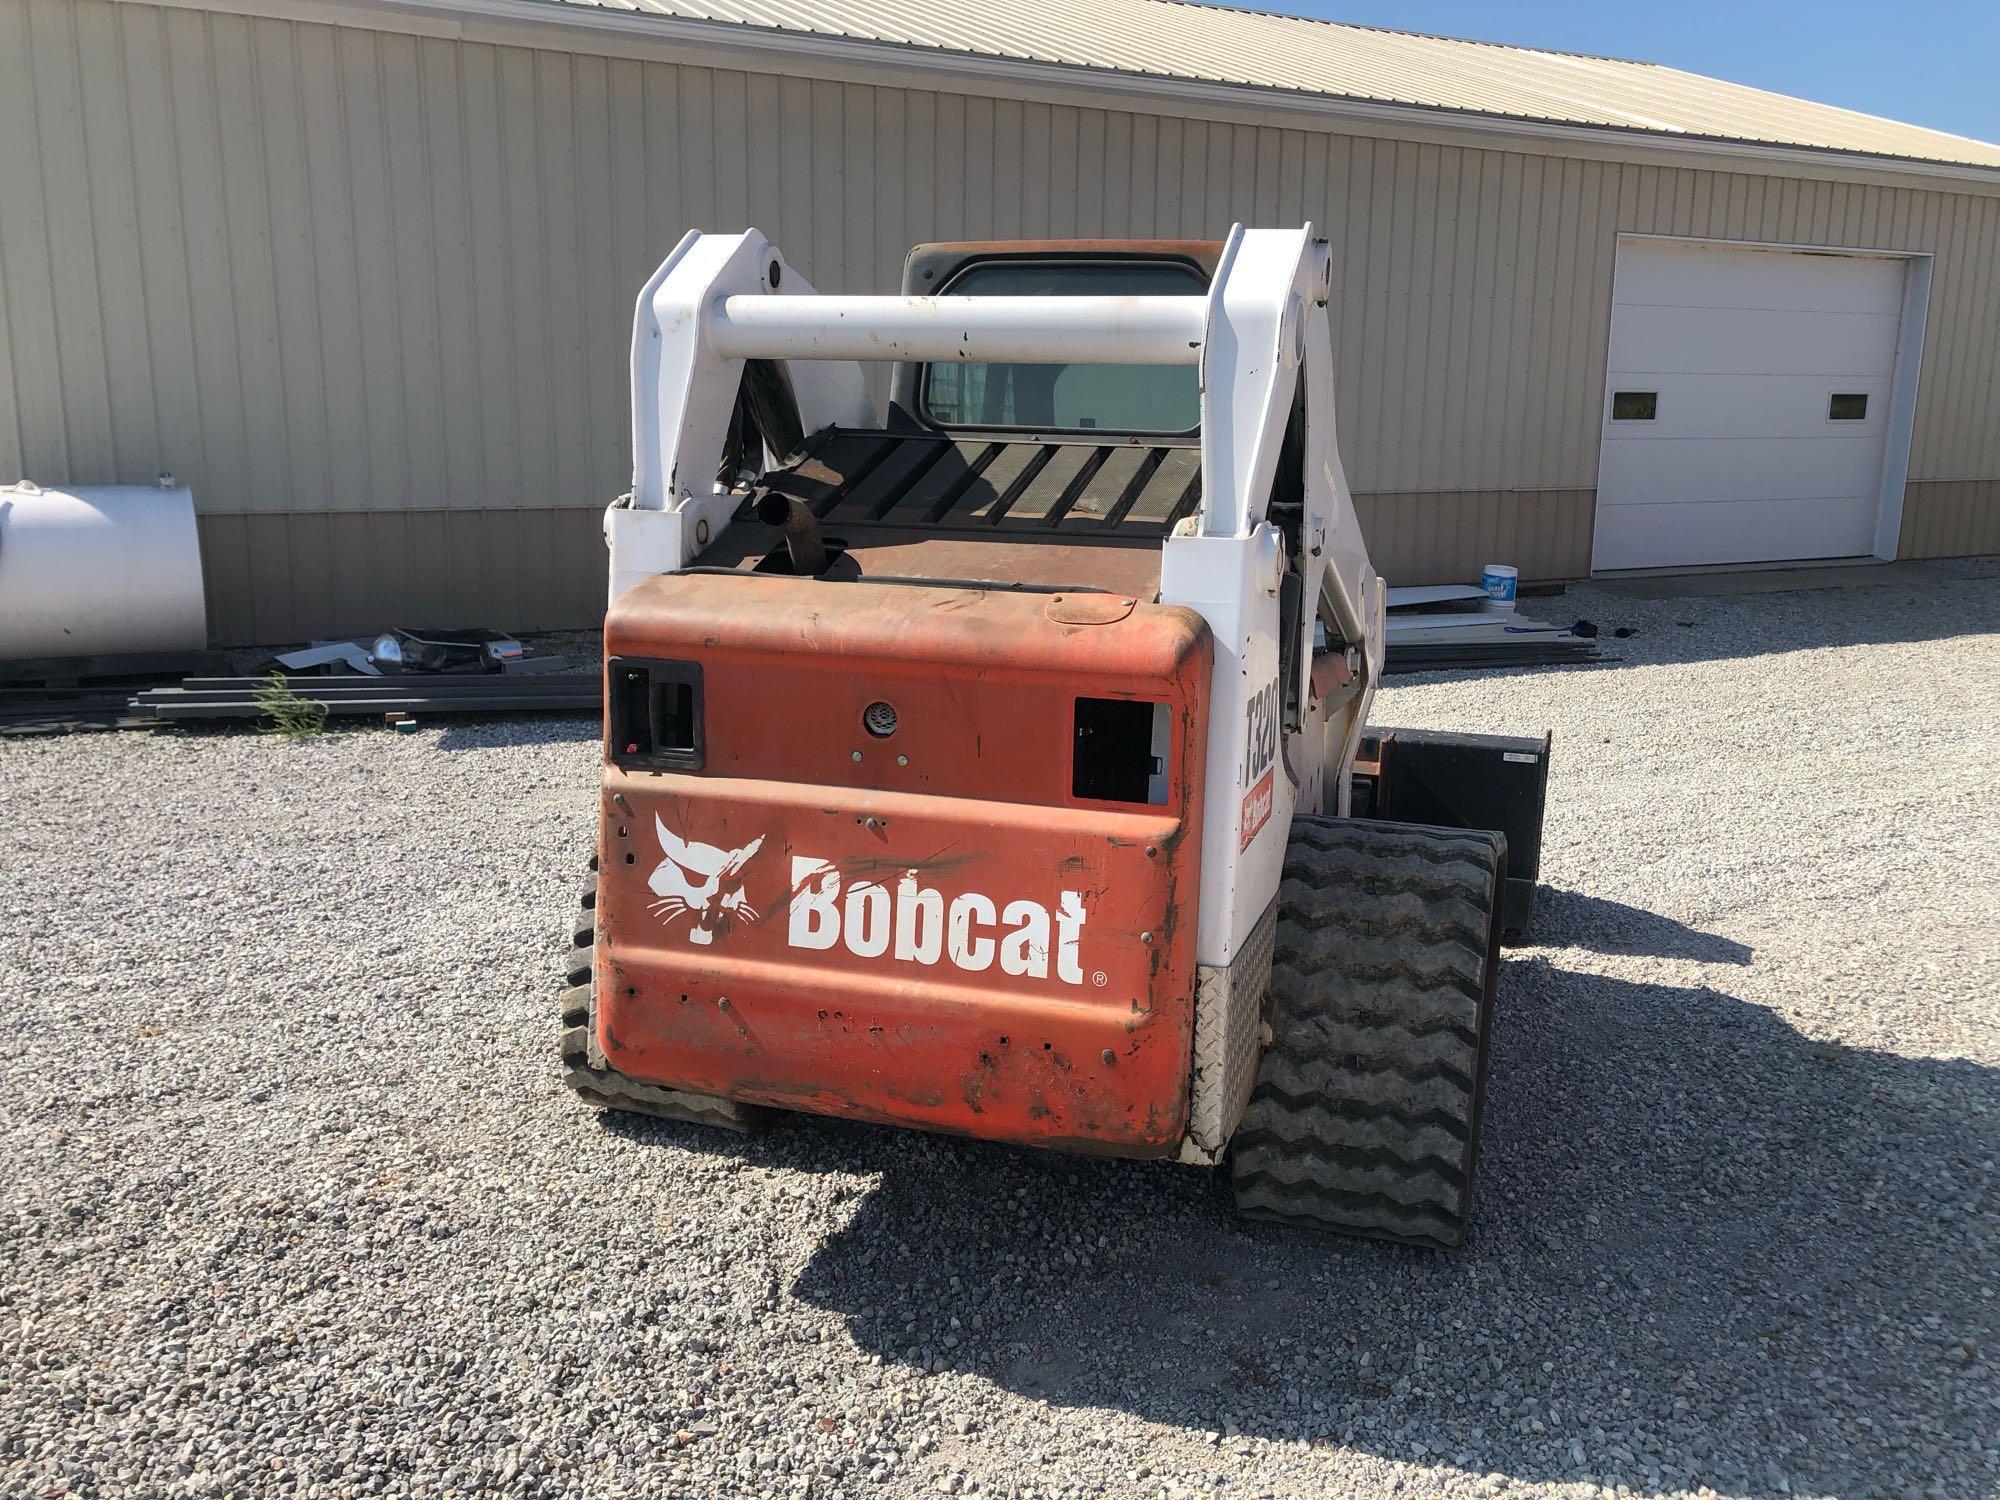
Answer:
(700, 882)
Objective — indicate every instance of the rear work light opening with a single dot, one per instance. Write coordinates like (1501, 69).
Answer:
(1119, 750)
(655, 715)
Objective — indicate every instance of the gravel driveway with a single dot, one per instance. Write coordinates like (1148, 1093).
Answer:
(293, 1202)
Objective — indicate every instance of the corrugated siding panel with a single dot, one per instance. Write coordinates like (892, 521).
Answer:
(284, 577)
(1433, 536)
(319, 271)
(1951, 518)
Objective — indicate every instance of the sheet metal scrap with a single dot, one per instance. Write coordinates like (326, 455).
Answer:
(78, 711)
(218, 698)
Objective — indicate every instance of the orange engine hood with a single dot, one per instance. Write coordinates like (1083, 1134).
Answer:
(929, 928)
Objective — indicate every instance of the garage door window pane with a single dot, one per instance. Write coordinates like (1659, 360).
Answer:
(1847, 407)
(1635, 406)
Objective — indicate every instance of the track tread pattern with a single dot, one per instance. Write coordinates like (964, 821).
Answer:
(605, 1087)
(1365, 1115)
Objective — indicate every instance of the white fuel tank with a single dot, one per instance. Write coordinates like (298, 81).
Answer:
(99, 571)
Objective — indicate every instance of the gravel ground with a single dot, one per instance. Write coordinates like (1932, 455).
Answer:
(293, 1202)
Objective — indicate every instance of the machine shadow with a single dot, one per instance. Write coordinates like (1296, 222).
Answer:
(1573, 919)
(1668, 1265)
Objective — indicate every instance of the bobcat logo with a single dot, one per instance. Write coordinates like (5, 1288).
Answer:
(702, 882)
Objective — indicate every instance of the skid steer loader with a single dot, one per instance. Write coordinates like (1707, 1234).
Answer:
(984, 763)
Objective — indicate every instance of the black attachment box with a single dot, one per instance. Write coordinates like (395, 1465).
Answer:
(1487, 781)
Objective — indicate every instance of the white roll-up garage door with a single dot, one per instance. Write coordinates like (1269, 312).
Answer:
(1747, 404)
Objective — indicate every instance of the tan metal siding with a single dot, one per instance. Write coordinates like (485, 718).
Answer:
(285, 577)
(1448, 535)
(1952, 518)
(329, 275)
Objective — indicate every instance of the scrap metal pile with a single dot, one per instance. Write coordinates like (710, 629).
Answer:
(396, 676)
(1457, 626)
(64, 695)
(202, 698)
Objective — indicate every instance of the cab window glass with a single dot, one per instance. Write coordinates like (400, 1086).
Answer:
(1072, 397)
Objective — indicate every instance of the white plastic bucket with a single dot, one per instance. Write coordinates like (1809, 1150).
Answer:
(1500, 583)
(99, 571)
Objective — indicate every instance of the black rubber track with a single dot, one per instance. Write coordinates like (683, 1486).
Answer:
(606, 1088)
(1365, 1114)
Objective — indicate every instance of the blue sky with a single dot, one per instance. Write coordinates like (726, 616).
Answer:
(1934, 63)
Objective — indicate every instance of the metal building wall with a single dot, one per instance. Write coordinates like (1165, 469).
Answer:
(369, 292)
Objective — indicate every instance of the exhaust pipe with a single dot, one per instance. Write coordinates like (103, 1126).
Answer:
(801, 528)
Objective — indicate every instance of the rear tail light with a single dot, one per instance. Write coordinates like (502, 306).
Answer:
(1118, 751)
(654, 714)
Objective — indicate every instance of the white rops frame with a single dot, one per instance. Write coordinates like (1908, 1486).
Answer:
(720, 299)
